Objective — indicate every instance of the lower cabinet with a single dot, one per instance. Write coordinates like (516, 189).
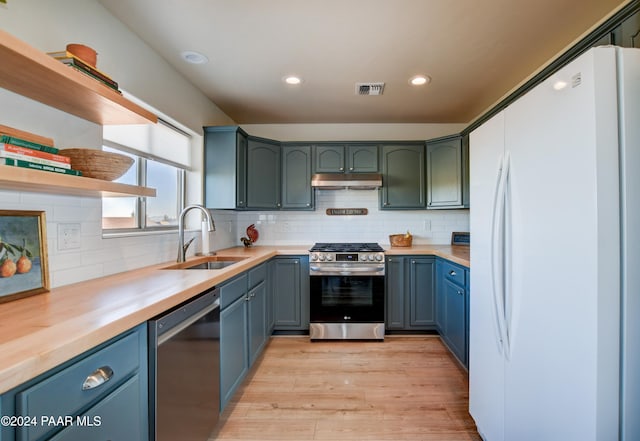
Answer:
(102, 394)
(244, 328)
(410, 293)
(290, 287)
(452, 304)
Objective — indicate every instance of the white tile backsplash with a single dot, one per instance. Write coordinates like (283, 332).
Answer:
(307, 227)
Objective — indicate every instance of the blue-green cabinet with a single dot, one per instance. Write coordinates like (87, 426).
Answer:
(345, 158)
(452, 305)
(225, 162)
(263, 174)
(410, 291)
(403, 176)
(290, 284)
(244, 329)
(297, 193)
(447, 173)
(116, 408)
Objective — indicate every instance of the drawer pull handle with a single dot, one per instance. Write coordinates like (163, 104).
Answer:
(97, 378)
(452, 273)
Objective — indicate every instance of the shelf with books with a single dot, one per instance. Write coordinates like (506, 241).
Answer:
(32, 73)
(24, 179)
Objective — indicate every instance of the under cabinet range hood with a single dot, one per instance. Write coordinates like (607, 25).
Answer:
(337, 181)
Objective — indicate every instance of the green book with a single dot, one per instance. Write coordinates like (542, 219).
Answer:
(43, 167)
(28, 144)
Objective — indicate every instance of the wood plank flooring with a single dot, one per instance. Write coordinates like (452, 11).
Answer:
(405, 388)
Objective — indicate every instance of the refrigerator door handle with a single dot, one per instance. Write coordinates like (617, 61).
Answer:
(497, 259)
(506, 263)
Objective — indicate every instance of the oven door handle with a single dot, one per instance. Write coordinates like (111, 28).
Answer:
(343, 271)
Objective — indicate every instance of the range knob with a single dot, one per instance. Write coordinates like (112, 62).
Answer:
(379, 257)
(370, 257)
(329, 257)
(314, 257)
(321, 257)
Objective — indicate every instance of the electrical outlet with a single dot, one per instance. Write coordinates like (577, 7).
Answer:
(69, 236)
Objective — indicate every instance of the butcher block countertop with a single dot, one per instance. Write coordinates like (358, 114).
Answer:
(40, 332)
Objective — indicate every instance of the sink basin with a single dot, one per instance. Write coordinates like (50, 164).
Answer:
(207, 262)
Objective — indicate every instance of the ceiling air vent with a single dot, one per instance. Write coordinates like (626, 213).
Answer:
(369, 88)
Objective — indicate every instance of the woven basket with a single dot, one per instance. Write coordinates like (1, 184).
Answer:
(400, 240)
(97, 164)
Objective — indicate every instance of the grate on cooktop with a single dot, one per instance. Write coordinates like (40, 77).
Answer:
(347, 247)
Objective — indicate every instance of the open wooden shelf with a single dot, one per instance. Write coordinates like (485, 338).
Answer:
(32, 73)
(24, 179)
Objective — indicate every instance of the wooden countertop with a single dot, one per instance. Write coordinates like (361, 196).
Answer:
(40, 332)
(455, 253)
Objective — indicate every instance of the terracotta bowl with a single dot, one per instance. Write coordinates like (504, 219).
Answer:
(85, 53)
(97, 164)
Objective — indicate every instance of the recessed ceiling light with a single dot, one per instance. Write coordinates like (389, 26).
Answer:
(419, 80)
(194, 57)
(292, 79)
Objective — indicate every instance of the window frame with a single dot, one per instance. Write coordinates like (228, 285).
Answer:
(141, 201)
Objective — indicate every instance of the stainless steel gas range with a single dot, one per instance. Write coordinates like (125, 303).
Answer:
(347, 291)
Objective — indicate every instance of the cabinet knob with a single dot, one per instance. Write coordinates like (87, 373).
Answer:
(452, 273)
(386, 204)
(97, 378)
(460, 292)
(308, 205)
(278, 205)
(350, 168)
(341, 168)
(413, 262)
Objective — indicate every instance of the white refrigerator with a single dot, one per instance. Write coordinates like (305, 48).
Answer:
(555, 260)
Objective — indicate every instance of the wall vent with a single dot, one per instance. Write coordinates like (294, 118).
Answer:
(369, 88)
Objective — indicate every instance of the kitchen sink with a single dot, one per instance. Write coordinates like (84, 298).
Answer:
(207, 262)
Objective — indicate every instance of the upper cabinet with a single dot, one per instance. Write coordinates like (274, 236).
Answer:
(447, 173)
(34, 74)
(628, 33)
(263, 174)
(225, 151)
(345, 158)
(297, 193)
(403, 177)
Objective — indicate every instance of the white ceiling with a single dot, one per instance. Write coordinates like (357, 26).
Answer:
(475, 51)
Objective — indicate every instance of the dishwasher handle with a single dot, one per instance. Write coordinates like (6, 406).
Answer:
(188, 322)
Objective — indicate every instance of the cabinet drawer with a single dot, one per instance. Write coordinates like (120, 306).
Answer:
(233, 290)
(454, 273)
(257, 275)
(117, 417)
(62, 394)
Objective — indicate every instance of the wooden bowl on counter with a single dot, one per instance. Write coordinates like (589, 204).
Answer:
(400, 240)
(98, 164)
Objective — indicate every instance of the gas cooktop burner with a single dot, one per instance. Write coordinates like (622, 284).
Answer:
(347, 247)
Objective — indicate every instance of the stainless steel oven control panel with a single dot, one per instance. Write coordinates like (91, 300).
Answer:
(347, 257)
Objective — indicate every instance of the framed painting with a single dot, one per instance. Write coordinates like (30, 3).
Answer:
(23, 254)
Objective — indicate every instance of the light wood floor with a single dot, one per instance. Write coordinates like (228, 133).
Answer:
(405, 388)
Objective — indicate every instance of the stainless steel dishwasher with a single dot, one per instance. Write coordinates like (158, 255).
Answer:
(184, 370)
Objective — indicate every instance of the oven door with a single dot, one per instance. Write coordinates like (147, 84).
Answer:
(343, 299)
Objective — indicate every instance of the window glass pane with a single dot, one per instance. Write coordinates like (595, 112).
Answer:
(121, 212)
(163, 209)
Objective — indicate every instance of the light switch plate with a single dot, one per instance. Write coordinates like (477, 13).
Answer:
(69, 237)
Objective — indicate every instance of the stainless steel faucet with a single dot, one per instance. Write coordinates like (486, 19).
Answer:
(182, 248)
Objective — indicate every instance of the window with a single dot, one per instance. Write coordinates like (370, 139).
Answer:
(161, 156)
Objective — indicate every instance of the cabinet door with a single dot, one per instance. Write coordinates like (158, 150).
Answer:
(395, 293)
(117, 417)
(403, 177)
(422, 292)
(263, 175)
(257, 302)
(234, 362)
(628, 33)
(440, 299)
(296, 178)
(287, 292)
(329, 158)
(362, 158)
(444, 173)
(455, 329)
(241, 170)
